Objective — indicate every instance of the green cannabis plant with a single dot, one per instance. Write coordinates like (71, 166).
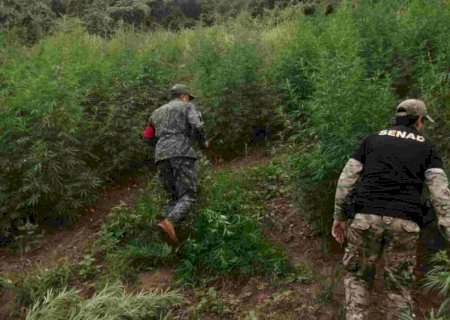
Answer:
(227, 239)
(438, 278)
(34, 286)
(111, 303)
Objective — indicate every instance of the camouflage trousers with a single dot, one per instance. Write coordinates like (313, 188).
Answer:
(369, 238)
(179, 178)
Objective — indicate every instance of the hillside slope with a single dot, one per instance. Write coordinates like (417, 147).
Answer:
(313, 291)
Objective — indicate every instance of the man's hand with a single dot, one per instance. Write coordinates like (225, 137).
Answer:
(338, 230)
(207, 144)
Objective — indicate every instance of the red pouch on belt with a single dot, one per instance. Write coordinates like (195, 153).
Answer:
(149, 132)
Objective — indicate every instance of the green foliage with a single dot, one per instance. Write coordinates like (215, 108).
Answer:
(302, 273)
(227, 239)
(29, 19)
(439, 278)
(111, 303)
(26, 238)
(6, 283)
(294, 64)
(238, 98)
(343, 77)
(130, 240)
(73, 123)
(127, 227)
(423, 66)
(221, 10)
(338, 77)
(34, 286)
(329, 284)
(333, 100)
(35, 19)
(434, 317)
(87, 267)
(126, 263)
(346, 105)
(147, 251)
(209, 301)
(407, 42)
(104, 17)
(73, 105)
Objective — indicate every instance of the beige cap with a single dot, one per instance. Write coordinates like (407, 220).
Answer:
(181, 88)
(413, 107)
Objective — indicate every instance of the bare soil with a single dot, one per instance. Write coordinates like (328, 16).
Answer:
(256, 159)
(73, 241)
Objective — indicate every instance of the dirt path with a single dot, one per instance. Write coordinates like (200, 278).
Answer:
(256, 159)
(71, 242)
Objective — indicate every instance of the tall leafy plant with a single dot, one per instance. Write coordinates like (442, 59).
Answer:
(344, 106)
(238, 98)
(74, 108)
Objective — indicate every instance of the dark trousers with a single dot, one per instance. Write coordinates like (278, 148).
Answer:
(179, 178)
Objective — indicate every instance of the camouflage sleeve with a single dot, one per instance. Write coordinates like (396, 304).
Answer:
(349, 176)
(196, 123)
(437, 183)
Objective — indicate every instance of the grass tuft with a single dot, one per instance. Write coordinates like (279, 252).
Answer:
(111, 303)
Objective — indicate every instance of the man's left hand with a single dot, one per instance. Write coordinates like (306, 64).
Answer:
(338, 230)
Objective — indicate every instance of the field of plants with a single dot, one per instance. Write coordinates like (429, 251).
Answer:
(303, 85)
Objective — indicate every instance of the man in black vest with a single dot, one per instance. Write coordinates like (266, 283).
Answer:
(386, 175)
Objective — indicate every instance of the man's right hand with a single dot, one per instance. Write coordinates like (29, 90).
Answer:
(338, 230)
(207, 144)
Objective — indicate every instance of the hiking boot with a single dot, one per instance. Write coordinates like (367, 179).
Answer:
(168, 228)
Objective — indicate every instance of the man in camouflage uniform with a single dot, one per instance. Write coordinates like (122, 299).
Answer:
(386, 174)
(177, 126)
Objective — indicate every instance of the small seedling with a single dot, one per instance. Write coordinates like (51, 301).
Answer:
(26, 239)
(209, 302)
(87, 268)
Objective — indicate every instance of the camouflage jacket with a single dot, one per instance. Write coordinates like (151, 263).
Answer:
(177, 124)
(347, 182)
(435, 179)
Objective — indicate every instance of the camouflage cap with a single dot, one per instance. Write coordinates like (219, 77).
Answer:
(413, 107)
(181, 88)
